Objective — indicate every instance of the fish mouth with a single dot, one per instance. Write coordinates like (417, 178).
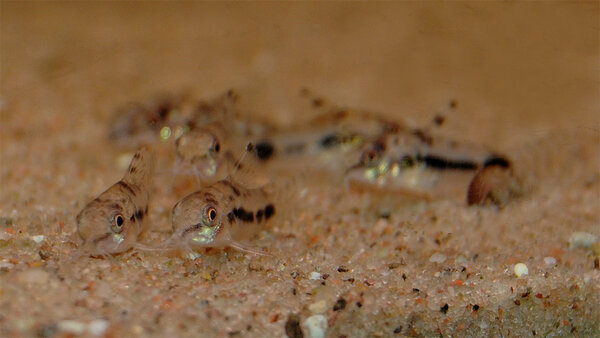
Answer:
(358, 165)
(200, 235)
(108, 243)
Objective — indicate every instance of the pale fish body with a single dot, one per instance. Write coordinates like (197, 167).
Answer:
(112, 222)
(220, 215)
(331, 141)
(417, 161)
(201, 152)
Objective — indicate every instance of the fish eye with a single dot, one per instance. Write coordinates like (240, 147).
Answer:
(211, 214)
(217, 147)
(117, 225)
(370, 156)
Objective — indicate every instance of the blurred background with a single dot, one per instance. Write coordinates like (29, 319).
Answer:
(513, 68)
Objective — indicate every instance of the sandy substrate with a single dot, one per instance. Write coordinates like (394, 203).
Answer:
(524, 75)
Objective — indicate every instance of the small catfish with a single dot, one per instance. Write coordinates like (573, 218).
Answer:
(199, 150)
(415, 163)
(112, 222)
(221, 215)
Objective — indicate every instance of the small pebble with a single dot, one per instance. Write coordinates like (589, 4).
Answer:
(343, 268)
(38, 239)
(6, 265)
(437, 258)
(314, 276)
(550, 261)
(292, 327)
(521, 269)
(97, 327)
(71, 326)
(581, 240)
(340, 304)
(315, 326)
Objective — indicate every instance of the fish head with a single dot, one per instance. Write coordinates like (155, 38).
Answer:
(199, 221)
(200, 149)
(108, 226)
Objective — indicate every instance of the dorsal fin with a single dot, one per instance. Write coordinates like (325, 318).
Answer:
(245, 170)
(141, 167)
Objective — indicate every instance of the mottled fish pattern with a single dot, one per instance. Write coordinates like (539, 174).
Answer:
(220, 215)
(112, 222)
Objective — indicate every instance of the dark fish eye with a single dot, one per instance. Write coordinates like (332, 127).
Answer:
(370, 156)
(119, 220)
(117, 225)
(217, 147)
(211, 214)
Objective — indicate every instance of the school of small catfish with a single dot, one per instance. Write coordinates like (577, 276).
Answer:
(214, 140)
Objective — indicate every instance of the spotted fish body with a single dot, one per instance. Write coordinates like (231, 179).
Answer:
(143, 122)
(220, 215)
(329, 142)
(112, 222)
(416, 160)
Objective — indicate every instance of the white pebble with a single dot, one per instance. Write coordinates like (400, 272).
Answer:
(437, 258)
(71, 326)
(97, 327)
(581, 240)
(550, 261)
(314, 276)
(6, 265)
(521, 270)
(38, 239)
(315, 326)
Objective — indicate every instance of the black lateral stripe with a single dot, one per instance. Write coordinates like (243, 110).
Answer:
(329, 141)
(264, 150)
(497, 161)
(259, 216)
(243, 215)
(442, 163)
(269, 211)
(127, 187)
